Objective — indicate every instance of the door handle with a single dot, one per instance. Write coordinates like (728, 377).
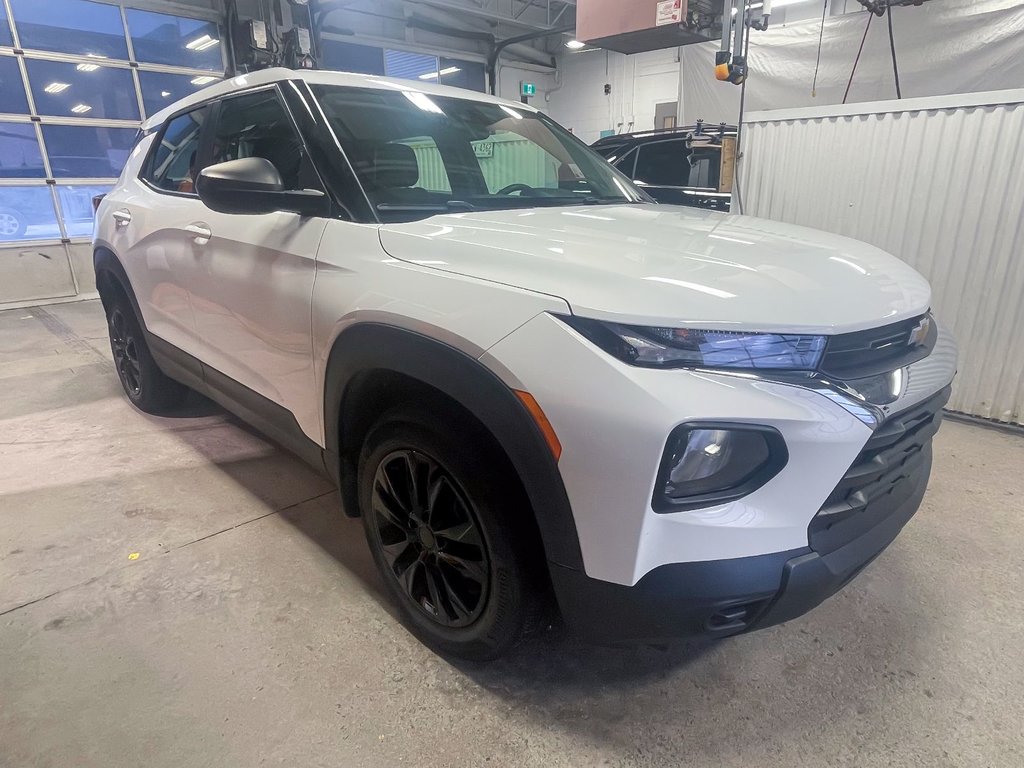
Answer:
(200, 232)
(122, 217)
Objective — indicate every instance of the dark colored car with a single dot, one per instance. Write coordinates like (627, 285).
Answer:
(690, 165)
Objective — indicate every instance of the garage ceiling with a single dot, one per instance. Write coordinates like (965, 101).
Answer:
(460, 25)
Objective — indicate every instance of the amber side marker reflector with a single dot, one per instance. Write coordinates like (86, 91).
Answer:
(542, 422)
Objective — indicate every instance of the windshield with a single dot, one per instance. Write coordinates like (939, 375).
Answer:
(417, 155)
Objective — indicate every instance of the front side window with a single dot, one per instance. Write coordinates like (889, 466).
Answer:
(172, 166)
(257, 125)
(417, 154)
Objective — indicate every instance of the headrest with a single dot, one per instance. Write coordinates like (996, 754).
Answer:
(394, 165)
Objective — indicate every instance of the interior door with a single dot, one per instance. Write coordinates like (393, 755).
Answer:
(151, 215)
(252, 301)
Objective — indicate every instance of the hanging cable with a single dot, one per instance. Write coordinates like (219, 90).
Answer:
(859, 52)
(892, 47)
(739, 123)
(817, 61)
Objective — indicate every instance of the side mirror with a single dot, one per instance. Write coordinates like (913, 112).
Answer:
(253, 185)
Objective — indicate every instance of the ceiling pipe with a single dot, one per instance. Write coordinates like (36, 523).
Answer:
(492, 59)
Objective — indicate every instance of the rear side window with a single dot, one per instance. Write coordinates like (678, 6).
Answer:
(663, 163)
(258, 125)
(172, 166)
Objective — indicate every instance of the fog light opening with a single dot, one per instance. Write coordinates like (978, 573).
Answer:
(705, 464)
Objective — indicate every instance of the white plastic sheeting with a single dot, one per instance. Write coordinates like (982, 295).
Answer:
(938, 182)
(943, 46)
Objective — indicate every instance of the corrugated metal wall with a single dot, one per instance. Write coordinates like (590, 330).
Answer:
(503, 160)
(938, 182)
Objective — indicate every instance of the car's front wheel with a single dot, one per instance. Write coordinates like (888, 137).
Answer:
(149, 388)
(440, 512)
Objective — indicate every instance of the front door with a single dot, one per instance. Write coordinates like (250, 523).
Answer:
(152, 215)
(252, 301)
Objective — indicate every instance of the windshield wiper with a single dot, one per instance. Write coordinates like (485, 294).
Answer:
(448, 207)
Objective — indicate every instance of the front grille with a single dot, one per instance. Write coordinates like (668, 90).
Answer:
(888, 473)
(878, 350)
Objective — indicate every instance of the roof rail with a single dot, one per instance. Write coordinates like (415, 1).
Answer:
(700, 128)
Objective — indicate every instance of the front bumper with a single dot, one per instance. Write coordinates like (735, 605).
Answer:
(880, 492)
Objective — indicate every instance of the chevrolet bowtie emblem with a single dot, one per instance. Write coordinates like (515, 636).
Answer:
(919, 333)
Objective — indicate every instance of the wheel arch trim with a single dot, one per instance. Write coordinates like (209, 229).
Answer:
(367, 347)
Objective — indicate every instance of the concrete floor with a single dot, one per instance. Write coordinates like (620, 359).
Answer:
(251, 628)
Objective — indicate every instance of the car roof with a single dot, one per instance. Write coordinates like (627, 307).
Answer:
(279, 74)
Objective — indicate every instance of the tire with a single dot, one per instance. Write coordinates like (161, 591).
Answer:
(148, 388)
(455, 555)
(12, 224)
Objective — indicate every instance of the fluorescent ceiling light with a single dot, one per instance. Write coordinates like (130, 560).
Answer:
(434, 75)
(202, 80)
(87, 67)
(782, 3)
(81, 109)
(575, 44)
(96, 56)
(165, 94)
(511, 112)
(56, 87)
(201, 43)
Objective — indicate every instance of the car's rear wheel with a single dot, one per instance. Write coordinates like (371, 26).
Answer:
(439, 510)
(146, 385)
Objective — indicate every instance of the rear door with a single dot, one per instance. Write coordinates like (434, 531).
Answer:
(253, 292)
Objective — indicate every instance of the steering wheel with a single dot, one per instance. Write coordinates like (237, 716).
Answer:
(517, 187)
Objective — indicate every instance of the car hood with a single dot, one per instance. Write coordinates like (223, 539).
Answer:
(674, 266)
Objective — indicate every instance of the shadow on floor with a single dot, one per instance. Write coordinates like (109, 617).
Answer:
(552, 659)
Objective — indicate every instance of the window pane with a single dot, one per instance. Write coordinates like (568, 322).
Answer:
(71, 26)
(665, 163)
(85, 152)
(705, 168)
(347, 57)
(76, 206)
(462, 74)
(5, 28)
(257, 126)
(79, 90)
(12, 89)
(160, 89)
(172, 166)
(19, 152)
(164, 39)
(26, 213)
(410, 66)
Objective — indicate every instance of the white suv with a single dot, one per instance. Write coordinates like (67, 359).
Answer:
(527, 378)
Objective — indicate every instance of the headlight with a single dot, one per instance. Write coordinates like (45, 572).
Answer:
(689, 348)
(708, 464)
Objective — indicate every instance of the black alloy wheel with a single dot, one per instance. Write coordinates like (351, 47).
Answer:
(430, 538)
(125, 348)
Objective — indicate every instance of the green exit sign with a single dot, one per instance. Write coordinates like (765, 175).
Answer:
(528, 89)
